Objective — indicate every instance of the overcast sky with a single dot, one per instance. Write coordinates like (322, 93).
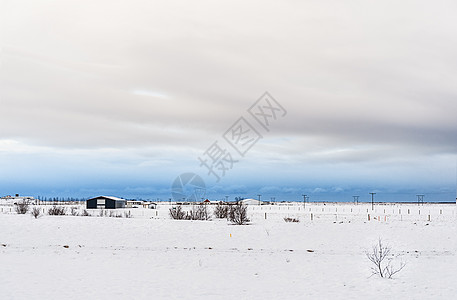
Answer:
(120, 97)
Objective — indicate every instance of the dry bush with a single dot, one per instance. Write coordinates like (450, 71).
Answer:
(177, 213)
(57, 211)
(221, 211)
(238, 214)
(113, 214)
(74, 211)
(36, 212)
(85, 213)
(198, 212)
(382, 258)
(128, 214)
(22, 207)
(291, 220)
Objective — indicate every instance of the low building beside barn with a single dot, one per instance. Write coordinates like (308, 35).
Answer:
(105, 202)
(134, 203)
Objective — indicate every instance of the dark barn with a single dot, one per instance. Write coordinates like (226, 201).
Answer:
(105, 202)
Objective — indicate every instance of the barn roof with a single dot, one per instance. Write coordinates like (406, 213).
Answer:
(108, 197)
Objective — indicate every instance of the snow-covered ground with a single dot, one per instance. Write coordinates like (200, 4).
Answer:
(152, 257)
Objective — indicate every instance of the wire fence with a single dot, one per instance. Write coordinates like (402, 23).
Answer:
(310, 212)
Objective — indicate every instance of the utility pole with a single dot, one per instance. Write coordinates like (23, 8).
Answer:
(226, 198)
(372, 200)
(356, 199)
(259, 198)
(304, 201)
(420, 199)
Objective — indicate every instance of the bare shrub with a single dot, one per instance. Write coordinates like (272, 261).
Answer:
(291, 220)
(198, 212)
(57, 211)
(36, 212)
(128, 214)
(221, 211)
(85, 213)
(113, 214)
(22, 207)
(382, 258)
(238, 214)
(177, 213)
(74, 211)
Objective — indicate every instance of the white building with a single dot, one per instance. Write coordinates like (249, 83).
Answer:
(251, 202)
(10, 200)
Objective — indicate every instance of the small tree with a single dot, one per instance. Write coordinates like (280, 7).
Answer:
(238, 214)
(36, 212)
(221, 211)
(177, 213)
(22, 207)
(382, 258)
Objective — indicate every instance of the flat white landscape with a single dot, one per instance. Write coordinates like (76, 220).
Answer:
(151, 256)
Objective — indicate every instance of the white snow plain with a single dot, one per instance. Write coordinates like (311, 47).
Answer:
(151, 256)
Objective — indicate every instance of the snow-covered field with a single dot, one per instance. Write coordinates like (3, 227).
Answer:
(150, 256)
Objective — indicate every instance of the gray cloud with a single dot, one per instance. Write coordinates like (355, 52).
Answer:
(361, 80)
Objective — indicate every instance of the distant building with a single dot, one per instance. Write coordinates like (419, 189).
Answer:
(105, 202)
(16, 199)
(251, 202)
(134, 203)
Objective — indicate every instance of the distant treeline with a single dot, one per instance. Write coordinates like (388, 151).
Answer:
(60, 199)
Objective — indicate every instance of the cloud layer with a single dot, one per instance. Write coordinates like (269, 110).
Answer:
(365, 83)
